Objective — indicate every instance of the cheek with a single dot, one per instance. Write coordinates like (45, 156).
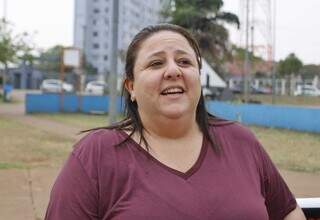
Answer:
(147, 84)
(193, 80)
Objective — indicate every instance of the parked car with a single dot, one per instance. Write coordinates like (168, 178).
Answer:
(96, 87)
(310, 207)
(237, 89)
(307, 90)
(55, 86)
(261, 90)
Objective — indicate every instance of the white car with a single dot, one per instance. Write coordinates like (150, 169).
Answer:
(96, 88)
(55, 86)
(307, 90)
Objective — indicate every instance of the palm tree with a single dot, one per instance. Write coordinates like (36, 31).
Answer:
(205, 20)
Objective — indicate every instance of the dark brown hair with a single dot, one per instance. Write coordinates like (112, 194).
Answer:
(132, 121)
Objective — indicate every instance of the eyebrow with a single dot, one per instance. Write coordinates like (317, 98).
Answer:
(180, 52)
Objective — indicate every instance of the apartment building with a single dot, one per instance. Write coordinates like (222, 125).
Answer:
(93, 27)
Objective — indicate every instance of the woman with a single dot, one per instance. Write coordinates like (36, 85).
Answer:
(169, 159)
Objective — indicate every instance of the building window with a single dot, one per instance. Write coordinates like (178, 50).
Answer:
(106, 10)
(105, 57)
(96, 46)
(94, 21)
(96, 10)
(95, 33)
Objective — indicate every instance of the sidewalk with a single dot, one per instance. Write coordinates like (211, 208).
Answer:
(25, 196)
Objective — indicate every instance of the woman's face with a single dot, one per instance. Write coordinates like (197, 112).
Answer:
(166, 77)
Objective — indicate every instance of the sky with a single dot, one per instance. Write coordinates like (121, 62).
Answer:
(297, 28)
(51, 23)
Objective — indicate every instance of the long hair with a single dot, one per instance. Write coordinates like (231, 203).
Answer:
(132, 121)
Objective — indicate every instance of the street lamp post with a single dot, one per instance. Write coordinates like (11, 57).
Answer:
(113, 75)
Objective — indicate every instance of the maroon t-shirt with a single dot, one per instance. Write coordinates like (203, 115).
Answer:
(102, 181)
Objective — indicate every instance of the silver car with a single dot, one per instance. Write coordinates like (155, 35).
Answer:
(55, 86)
(96, 88)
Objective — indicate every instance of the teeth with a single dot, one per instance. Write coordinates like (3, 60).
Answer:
(172, 90)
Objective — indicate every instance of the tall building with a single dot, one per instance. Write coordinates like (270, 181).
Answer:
(93, 27)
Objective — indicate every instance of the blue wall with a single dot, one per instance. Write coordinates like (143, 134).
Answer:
(68, 103)
(297, 118)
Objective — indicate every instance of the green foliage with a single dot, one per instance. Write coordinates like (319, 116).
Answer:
(204, 19)
(310, 71)
(49, 60)
(290, 65)
(12, 48)
(89, 68)
(8, 47)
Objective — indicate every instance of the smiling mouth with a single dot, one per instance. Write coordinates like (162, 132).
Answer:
(172, 91)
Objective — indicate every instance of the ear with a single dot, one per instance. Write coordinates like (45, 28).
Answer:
(129, 87)
(128, 84)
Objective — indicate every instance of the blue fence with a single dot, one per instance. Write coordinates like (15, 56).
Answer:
(68, 103)
(297, 118)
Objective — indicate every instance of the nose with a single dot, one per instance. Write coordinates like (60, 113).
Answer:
(173, 71)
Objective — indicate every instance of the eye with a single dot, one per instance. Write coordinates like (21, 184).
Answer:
(184, 62)
(155, 63)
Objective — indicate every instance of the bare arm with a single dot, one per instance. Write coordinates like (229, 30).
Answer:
(296, 214)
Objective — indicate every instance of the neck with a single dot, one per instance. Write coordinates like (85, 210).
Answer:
(170, 128)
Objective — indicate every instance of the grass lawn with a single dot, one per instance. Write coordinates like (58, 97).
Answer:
(83, 121)
(21, 145)
(292, 150)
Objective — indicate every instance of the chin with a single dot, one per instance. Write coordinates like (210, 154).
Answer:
(174, 113)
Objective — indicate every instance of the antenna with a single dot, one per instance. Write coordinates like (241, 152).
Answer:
(262, 25)
(5, 10)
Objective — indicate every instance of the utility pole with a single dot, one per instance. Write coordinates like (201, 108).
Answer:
(274, 53)
(113, 75)
(246, 62)
(4, 9)
(4, 74)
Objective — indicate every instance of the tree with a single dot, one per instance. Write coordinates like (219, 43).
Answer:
(49, 60)
(8, 48)
(290, 65)
(310, 71)
(204, 19)
(12, 49)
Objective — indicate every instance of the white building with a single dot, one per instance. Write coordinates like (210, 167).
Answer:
(93, 26)
(209, 78)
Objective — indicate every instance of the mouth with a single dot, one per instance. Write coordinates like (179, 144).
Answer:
(172, 90)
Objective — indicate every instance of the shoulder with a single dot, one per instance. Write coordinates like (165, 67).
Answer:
(234, 137)
(98, 139)
(95, 145)
(231, 130)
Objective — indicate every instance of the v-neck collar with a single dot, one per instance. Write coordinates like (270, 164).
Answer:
(194, 168)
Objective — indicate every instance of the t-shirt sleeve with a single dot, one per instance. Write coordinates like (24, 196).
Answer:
(278, 198)
(74, 194)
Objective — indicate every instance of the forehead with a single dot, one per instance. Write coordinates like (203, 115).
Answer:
(163, 40)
